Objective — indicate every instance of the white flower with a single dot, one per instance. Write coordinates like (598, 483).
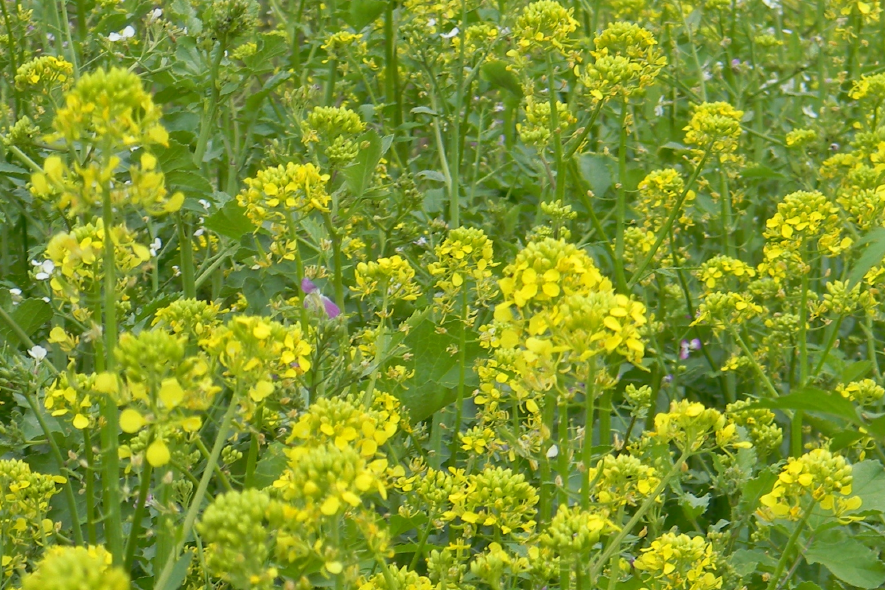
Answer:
(126, 33)
(451, 33)
(808, 110)
(552, 452)
(38, 352)
(15, 292)
(156, 13)
(44, 269)
(155, 246)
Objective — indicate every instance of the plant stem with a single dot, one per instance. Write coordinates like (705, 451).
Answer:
(208, 120)
(587, 450)
(831, 340)
(749, 354)
(455, 138)
(194, 509)
(462, 375)
(796, 422)
(555, 130)
(185, 248)
(110, 461)
(785, 555)
(143, 489)
(90, 488)
(564, 450)
(621, 205)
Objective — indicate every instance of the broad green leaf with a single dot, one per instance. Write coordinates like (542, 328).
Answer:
(595, 170)
(856, 370)
(364, 12)
(811, 399)
(30, 315)
(436, 369)
(869, 484)
(496, 73)
(179, 571)
(843, 439)
(807, 586)
(176, 162)
(270, 466)
(849, 560)
(359, 174)
(746, 561)
(872, 255)
(230, 221)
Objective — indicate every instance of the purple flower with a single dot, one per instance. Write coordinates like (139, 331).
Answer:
(686, 347)
(315, 300)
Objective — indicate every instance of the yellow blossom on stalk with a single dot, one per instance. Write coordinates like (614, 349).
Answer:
(76, 568)
(43, 73)
(254, 351)
(402, 578)
(545, 23)
(597, 322)
(111, 109)
(842, 299)
(276, 194)
(345, 423)
(869, 87)
(497, 498)
(626, 61)
(720, 309)
(799, 138)
(657, 194)
(392, 278)
(865, 392)
(867, 10)
(429, 492)
(478, 37)
(622, 480)
(689, 425)
(465, 255)
(495, 564)
(24, 505)
(335, 129)
(715, 126)
(325, 480)
(759, 424)
(192, 317)
(802, 218)
(680, 562)
(719, 269)
(76, 258)
(817, 477)
(163, 388)
(339, 43)
(74, 395)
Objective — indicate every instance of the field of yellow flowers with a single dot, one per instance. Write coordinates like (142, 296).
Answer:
(442, 294)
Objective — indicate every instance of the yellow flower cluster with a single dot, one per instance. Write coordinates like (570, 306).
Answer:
(75, 568)
(759, 424)
(622, 480)
(44, 73)
(657, 194)
(392, 278)
(865, 392)
(544, 23)
(626, 62)
(191, 317)
(573, 532)
(803, 217)
(494, 497)
(335, 129)
(76, 395)
(690, 425)
(164, 389)
(680, 562)
(721, 309)
(535, 130)
(275, 194)
(817, 477)
(466, 254)
(715, 126)
(716, 272)
(24, 505)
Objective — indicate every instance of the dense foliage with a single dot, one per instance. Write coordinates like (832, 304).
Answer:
(442, 294)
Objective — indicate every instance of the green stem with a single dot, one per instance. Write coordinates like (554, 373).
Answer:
(587, 450)
(564, 450)
(462, 376)
(831, 340)
(337, 260)
(774, 581)
(90, 488)
(555, 130)
(621, 205)
(137, 518)
(13, 59)
(110, 430)
(758, 369)
(186, 250)
(796, 422)
(455, 138)
(208, 120)
(545, 495)
(196, 503)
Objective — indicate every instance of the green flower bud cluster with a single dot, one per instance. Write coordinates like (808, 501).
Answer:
(626, 62)
(657, 194)
(401, 577)
(226, 20)
(495, 564)
(639, 399)
(335, 129)
(498, 498)
(44, 73)
(238, 529)
(192, 317)
(573, 532)
(535, 130)
(22, 133)
(842, 299)
(759, 424)
(800, 138)
(76, 568)
(623, 480)
(543, 24)
(724, 273)
(715, 126)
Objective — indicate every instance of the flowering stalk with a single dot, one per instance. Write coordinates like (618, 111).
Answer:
(185, 247)
(587, 449)
(137, 518)
(462, 375)
(110, 431)
(615, 543)
(665, 229)
(455, 139)
(208, 119)
(554, 129)
(621, 205)
(196, 502)
(796, 422)
(90, 487)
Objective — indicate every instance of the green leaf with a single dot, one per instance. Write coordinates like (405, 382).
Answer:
(177, 164)
(872, 255)
(811, 399)
(869, 484)
(270, 466)
(843, 439)
(807, 586)
(762, 172)
(595, 170)
(359, 174)
(849, 560)
(230, 221)
(497, 74)
(856, 371)
(7, 168)
(30, 315)
(364, 12)
(745, 561)
(179, 570)
(436, 368)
